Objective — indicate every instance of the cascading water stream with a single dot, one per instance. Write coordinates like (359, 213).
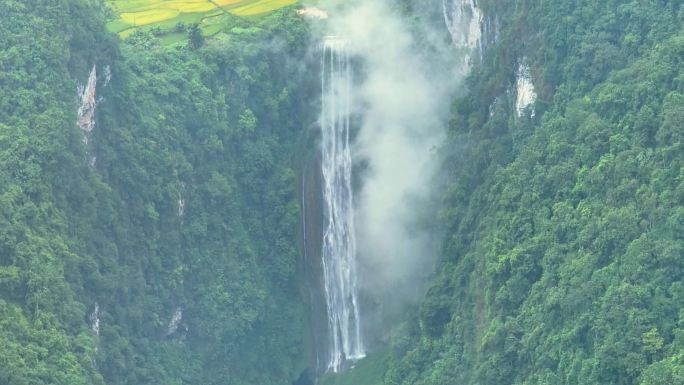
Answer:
(339, 239)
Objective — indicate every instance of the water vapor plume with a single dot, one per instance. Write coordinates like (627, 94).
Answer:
(401, 98)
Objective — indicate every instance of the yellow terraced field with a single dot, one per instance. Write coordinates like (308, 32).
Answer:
(262, 6)
(165, 14)
(148, 17)
(143, 12)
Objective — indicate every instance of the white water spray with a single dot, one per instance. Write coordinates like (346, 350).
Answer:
(339, 238)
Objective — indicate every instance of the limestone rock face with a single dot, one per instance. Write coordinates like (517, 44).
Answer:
(88, 103)
(525, 92)
(465, 22)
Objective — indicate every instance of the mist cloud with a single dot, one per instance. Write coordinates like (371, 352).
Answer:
(402, 98)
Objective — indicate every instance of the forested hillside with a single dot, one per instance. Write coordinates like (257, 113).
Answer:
(149, 204)
(160, 247)
(563, 261)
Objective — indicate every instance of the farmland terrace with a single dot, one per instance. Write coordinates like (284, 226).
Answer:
(170, 19)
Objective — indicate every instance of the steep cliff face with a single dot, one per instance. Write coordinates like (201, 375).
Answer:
(88, 102)
(197, 205)
(173, 258)
(525, 95)
(465, 22)
(563, 209)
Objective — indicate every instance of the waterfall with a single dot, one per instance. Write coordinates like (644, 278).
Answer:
(339, 239)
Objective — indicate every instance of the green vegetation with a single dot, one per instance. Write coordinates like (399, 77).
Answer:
(368, 371)
(169, 17)
(563, 262)
(213, 127)
(260, 7)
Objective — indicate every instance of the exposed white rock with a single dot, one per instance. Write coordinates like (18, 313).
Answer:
(88, 103)
(107, 76)
(492, 107)
(465, 22)
(525, 93)
(94, 319)
(180, 203)
(181, 206)
(175, 321)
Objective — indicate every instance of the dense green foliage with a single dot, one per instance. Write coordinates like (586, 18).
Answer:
(563, 262)
(565, 229)
(214, 127)
(368, 371)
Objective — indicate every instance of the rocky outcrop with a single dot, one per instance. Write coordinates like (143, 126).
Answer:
(525, 92)
(465, 22)
(88, 103)
(175, 322)
(94, 319)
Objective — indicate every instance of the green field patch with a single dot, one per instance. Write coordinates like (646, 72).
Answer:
(123, 5)
(261, 7)
(148, 17)
(210, 26)
(117, 26)
(173, 38)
